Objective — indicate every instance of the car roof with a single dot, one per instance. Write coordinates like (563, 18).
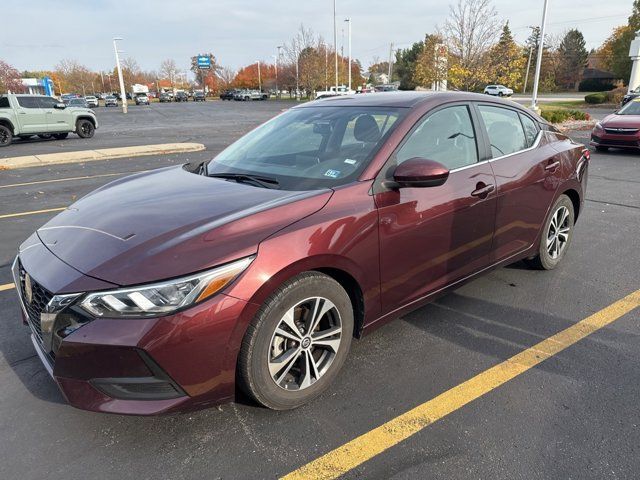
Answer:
(402, 99)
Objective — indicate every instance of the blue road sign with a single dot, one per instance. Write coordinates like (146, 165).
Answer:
(204, 62)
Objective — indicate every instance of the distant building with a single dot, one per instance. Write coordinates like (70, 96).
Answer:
(38, 86)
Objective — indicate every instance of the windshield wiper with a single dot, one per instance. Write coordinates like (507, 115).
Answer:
(265, 182)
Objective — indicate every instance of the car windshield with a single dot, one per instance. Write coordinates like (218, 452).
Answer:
(631, 108)
(310, 148)
(76, 101)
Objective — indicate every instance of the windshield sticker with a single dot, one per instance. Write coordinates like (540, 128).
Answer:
(332, 173)
(350, 161)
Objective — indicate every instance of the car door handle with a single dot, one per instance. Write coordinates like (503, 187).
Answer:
(483, 191)
(552, 166)
(48, 113)
(22, 113)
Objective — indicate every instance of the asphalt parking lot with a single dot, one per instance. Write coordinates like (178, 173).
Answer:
(575, 415)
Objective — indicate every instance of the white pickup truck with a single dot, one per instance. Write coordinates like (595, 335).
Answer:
(24, 116)
(333, 92)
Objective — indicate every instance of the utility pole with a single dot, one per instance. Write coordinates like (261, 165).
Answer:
(297, 75)
(277, 60)
(259, 78)
(102, 79)
(536, 81)
(326, 68)
(335, 43)
(390, 62)
(526, 77)
(122, 91)
(348, 20)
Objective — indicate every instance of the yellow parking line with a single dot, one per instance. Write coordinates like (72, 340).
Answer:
(7, 286)
(352, 454)
(68, 179)
(32, 212)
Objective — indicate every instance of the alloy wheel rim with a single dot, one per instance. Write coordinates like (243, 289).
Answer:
(558, 234)
(86, 129)
(305, 343)
(4, 137)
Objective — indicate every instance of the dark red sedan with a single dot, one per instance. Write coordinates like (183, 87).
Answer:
(168, 290)
(619, 130)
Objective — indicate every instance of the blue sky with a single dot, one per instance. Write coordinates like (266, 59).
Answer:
(36, 34)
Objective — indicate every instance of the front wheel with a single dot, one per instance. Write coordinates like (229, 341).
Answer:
(84, 128)
(297, 343)
(556, 235)
(6, 136)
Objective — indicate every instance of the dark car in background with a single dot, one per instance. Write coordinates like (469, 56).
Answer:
(635, 93)
(199, 97)
(77, 102)
(164, 97)
(165, 290)
(181, 97)
(228, 94)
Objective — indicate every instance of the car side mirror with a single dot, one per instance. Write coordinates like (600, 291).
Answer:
(60, 106)
(418, 173)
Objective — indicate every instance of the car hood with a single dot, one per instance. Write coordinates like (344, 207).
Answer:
(168, 223)
(626, 121)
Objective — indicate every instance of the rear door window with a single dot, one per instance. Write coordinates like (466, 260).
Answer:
(504, 129)
(530, 129)
(28, 102)
(4, 102)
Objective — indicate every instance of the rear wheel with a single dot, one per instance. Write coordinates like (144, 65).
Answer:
(500, 94)
(556, 235)
(84, 128)
(297, 343)
(60, 136)
(6, 136)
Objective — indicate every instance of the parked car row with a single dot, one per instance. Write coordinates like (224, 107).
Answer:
(243, 95)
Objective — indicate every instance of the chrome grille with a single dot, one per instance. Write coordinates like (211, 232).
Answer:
(39, 299)
(621, 131)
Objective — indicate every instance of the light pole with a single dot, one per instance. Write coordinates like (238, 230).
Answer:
(536, 81)
(335, 42)
(276, 59)
(279, 47)
(348, 20)
(259, 78)
(526, 77)
(122, 92)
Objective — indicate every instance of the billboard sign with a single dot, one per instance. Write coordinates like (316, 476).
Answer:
(204, 62)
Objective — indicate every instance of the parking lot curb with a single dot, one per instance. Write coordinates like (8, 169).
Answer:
(100, 154)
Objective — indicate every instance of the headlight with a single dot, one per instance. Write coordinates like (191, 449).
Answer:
(598, 126)
(165, 297)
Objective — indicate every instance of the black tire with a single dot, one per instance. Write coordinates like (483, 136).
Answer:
(602, 149)
(84, 128)
(60, 136)
(500, 94)
(6, 136)
(254, 376)
(45, 136)
(544, 260)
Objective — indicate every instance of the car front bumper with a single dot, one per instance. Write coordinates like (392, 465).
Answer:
(144, 366)
(603, 139)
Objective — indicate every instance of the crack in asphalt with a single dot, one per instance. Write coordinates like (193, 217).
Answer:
(613, 203)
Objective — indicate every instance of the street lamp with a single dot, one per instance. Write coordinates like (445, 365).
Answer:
(279, 47)
(348, 20)
(259, 78)
(536, 81)
(526, 77)
(335, 43)
(276, 59)
(122, 92)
